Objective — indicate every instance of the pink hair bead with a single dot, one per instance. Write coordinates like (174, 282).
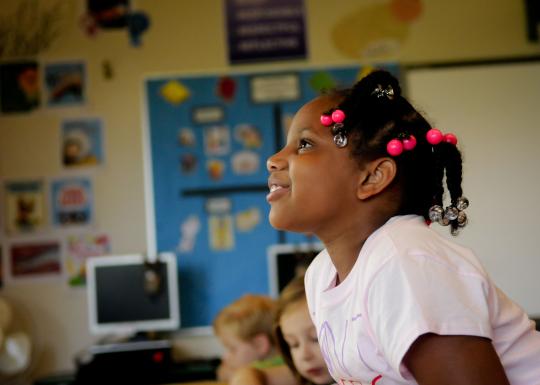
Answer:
(409, 143)
(450, 138)
(394, 147)
(434, 136)
(338, 116)
(326, 120)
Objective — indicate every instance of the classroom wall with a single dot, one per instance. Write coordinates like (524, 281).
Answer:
(188, 36)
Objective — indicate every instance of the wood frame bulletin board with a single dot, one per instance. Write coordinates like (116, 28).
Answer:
(207, 141)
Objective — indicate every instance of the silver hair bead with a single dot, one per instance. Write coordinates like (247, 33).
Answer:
(462, 219)
(379, 91)
(451, 213)
(462, 203)
(337, 127)
(444, 221)
(340, 139)
(435, 213)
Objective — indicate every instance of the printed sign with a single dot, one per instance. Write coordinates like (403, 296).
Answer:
(265, 30)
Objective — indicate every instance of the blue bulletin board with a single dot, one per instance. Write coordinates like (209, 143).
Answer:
(209, 138)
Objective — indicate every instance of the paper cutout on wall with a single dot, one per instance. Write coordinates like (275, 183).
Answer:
(215, 168)
(247, 220)
(245, 162)
(321, 81)
(248, 135)
(188, 163)
(174, 92)
(379, 29)
(188, 232)
(217, 140)
(226, 88)
(406, 10)
(186, 137)
(220, 230)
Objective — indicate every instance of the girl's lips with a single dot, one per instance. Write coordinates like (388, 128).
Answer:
(276, 192)
(314, 372)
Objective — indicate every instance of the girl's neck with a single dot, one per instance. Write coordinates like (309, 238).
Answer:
(345, 247)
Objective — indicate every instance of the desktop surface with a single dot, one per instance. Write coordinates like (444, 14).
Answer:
(188, 372)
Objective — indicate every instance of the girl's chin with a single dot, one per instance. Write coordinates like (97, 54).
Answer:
(320, 380)
(284, 223)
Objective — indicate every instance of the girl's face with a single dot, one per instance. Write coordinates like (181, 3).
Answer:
(312, 182)
(301, 336)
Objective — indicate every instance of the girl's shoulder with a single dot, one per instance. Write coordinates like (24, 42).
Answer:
(409, 240)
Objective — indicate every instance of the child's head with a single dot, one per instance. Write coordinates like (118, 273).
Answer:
(245, 328)
(376, 160)
(297, 336)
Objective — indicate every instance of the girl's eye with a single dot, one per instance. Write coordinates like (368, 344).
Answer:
(303, 144)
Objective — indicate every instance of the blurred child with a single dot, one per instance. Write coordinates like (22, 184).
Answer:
(297, 340)
(245, 329)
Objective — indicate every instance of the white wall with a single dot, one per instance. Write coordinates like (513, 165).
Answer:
(494, 111)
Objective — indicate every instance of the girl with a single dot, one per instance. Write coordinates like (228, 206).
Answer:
(393, 302)
(297, 341)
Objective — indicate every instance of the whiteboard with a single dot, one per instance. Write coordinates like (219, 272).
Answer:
(495, 112)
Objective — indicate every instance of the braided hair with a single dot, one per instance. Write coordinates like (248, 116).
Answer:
(376, 113)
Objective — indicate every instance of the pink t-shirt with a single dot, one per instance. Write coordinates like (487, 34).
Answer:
(407, 281)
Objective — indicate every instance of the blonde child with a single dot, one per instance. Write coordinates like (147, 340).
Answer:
(245, 330)
(297, 340)
(393, 302)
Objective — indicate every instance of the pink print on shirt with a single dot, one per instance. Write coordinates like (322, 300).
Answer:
(350, 382)
(333, 352)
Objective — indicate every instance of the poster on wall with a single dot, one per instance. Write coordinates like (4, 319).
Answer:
(33, 259)
(82, 142)
(64, 83)
(19, 86)
(80, 247)
(72, 202)
(24, 204)
(265, 30)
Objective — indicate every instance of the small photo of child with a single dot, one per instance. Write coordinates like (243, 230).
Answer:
(82, 142)
(65, 83)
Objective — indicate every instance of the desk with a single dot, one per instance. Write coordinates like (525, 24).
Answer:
(200, 383)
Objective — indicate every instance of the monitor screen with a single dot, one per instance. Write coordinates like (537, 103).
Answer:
(286, 261)
(126, 294)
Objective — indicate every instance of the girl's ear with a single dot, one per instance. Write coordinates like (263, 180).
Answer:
(262, 344)
(375, 177)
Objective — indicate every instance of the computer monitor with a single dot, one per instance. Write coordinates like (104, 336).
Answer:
(286, 261)
(128, 294)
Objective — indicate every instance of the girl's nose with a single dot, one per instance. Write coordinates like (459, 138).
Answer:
(305, 352)
(276, 162)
